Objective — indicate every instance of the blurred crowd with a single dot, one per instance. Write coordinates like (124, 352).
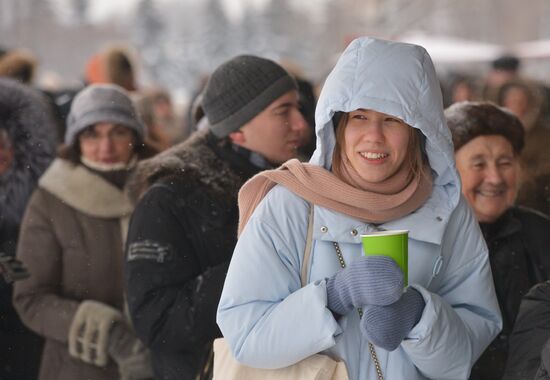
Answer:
(103, 183)
(528, 99)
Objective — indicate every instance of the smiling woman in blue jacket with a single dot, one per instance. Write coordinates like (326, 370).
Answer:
(384, 161)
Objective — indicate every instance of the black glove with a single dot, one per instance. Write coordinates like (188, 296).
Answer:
(12, 269)
(131, 356)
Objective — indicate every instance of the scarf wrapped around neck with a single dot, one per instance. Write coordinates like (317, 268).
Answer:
(390, 199)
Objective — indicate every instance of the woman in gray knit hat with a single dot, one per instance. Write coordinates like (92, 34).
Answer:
(72, 239)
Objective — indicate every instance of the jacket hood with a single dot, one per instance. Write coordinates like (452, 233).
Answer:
(397, 79)
(30, 127)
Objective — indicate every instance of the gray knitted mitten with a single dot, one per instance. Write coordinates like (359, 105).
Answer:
(387, 326)
(369, 280)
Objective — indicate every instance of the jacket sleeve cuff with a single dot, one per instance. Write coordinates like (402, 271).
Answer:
(423, 328)
(429, 350)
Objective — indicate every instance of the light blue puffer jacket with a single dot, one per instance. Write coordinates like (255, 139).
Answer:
(271, 322)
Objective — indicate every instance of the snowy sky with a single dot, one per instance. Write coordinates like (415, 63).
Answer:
(103, 9)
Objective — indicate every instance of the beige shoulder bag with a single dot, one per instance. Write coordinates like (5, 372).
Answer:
(315, 367)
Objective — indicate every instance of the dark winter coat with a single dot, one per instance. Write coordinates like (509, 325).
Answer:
(29, 125)
(72, 242)
(180, 242)
(519, 253)
(529, 341)
(542, 372)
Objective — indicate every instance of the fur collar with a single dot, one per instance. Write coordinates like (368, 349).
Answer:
(193, 158)
(85, 191)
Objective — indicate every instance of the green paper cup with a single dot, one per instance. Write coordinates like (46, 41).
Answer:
(394, 244)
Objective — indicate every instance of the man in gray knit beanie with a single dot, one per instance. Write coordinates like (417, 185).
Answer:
(240, 89)
(243, 99)
(183, 230)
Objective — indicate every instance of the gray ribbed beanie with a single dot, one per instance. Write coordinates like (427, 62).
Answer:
(102, 103)
(240, 89)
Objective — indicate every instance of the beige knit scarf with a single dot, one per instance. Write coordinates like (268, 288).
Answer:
(391, 199)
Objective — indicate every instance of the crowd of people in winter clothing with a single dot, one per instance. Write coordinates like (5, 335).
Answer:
(130, 240)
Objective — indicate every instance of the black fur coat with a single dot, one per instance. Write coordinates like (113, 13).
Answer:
(26, 118)
(29, 125)
(181, 238)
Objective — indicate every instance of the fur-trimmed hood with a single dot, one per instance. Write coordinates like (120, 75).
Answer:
(194, 157)
(30, 126)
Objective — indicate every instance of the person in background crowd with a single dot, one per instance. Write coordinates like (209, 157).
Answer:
(191, 117)
(112, 65)
(199, 121)
(156, 111)
(308, 102)
(19, 65)
(72, 239)
(26, 149)
(503, 70)
(488, 144)
(384, 161)
(460, 88)
(184, 227)
(525, 99)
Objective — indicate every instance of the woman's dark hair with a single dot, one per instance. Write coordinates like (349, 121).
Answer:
(506, 63)
(72, 152)
(468, 120)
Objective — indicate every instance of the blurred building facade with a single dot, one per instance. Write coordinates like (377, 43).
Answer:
(178, 41)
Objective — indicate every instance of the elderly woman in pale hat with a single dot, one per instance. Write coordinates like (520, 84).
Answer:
(72, 240)
(488, 142)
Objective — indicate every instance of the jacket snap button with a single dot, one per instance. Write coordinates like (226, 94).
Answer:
(324, 229)
(439, 219)
(353, 232)
(437, 266)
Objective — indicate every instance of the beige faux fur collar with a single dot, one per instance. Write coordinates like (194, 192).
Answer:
(85, 191)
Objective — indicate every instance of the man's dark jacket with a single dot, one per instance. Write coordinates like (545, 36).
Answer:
(529, 354)
(180, 241)
(519, 254)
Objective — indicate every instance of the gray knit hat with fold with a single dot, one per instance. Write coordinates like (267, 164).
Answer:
(102, 103)
(240, 89)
